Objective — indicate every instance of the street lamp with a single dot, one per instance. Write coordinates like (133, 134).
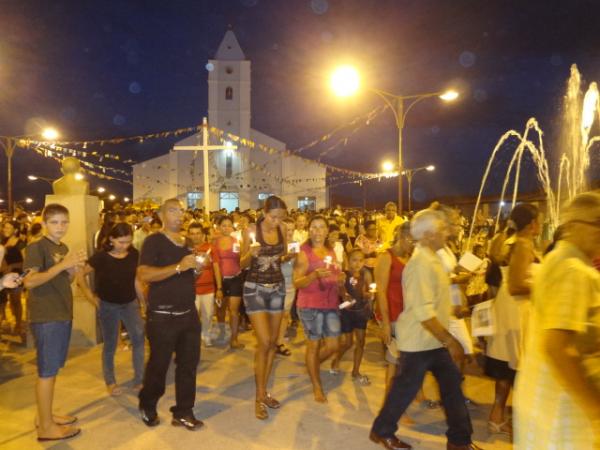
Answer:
(112, 197)
(345, 81)
(101, 190)
(9, 143)
(38, 178)
(126, 199)
(409, 176)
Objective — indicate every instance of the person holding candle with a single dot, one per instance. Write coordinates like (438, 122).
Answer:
(264, 294)
(228, 276)
(318, 282)
(354, 318)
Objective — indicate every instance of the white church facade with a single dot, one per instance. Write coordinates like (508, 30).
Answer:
(237, 178)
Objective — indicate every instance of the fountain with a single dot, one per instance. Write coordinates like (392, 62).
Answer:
(580, 112)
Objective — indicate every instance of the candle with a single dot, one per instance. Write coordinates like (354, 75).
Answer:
(252, 238)
(373, 287)
(353, 281)
(328, 260)
(200, 259)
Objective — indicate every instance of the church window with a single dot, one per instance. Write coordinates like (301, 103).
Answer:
(307, 203)
(262, 197)
(229, 200)
(228, 163)
(229, 93)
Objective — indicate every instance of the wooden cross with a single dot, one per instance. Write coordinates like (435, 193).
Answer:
(205, 149)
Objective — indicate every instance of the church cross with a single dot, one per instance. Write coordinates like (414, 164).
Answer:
(205, 149)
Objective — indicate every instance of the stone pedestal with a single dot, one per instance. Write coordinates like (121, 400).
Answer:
(84, 213)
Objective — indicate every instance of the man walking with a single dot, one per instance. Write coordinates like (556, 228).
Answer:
(168, 265)
(424, 341)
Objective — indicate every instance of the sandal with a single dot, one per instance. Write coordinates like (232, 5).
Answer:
(260, 410)
(114, 390)
(363, 380)
(504, 428)
(271, 402)
(73, 433)
(59, 420)
(283, 350)
(334, 372)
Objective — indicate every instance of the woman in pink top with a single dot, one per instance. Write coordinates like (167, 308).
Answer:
(319, 282)
(228, 275)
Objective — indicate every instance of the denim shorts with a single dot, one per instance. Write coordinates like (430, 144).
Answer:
(52, 345)
(320, 323)
(264, 298)
(232, 286)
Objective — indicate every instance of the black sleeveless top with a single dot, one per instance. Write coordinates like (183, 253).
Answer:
(355, 290)
(266, 267)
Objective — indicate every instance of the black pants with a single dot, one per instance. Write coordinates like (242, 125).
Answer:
(168, 334)
(407, 382)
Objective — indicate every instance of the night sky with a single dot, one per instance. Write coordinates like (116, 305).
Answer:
(118, 68)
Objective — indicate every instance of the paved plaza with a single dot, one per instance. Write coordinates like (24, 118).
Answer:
(224, 402)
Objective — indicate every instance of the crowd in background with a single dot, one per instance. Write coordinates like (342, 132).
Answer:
(344, 273)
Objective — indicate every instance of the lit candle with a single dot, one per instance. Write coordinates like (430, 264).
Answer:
(252, 239)
(373, 287)
(328, 260)
(353, 281)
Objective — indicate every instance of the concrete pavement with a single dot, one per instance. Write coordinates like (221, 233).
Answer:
(225, 402)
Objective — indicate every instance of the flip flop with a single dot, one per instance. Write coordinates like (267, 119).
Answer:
(70, 421)
(283, 350)
(68, 436)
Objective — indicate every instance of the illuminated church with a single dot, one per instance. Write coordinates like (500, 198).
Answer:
(237, 178)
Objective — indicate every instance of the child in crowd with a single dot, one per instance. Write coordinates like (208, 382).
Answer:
(52, 268)
(355, 316)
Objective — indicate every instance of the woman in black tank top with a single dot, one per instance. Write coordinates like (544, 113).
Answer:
(264, 293)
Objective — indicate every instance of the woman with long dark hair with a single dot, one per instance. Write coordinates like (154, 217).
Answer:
(264, 294)
(318, 281)
(504, 349)
(116, 295)
(228, 274)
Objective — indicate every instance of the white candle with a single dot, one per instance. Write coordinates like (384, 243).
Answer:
(328, 260)
(373, 287)
(252, 238)
(353, 281)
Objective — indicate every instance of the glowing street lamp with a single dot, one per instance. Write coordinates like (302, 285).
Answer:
(28, 200)
(387, 166)
(101, 190)
(79, 176)
(409, 176)
(50, 134)
(112, 197)
(126, 199)
(9, 143)
(345, 81)
(38, 178)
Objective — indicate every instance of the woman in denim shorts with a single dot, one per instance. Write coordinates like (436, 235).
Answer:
(318, 281)
(264, 293)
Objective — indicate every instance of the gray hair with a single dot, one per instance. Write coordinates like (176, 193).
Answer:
(584, 207)
(427, 220)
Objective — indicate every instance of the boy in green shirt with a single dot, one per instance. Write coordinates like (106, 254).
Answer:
(50, 304)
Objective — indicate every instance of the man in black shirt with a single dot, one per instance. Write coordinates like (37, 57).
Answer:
(168, 265)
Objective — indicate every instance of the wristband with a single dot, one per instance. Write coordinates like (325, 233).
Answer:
(178, 269)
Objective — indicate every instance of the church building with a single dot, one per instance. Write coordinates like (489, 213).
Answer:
(243, 177)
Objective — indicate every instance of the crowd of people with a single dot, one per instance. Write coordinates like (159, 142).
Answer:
(181, 279)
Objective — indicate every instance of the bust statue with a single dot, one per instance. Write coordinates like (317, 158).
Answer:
(72, 183)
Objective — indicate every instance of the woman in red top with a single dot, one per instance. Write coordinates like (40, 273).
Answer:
(388, 276)
(319, 282)
(228, 275)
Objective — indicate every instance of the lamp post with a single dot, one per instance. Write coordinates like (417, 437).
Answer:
(409, 176)
(9, 143)
(345, 81)
(37, 177)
